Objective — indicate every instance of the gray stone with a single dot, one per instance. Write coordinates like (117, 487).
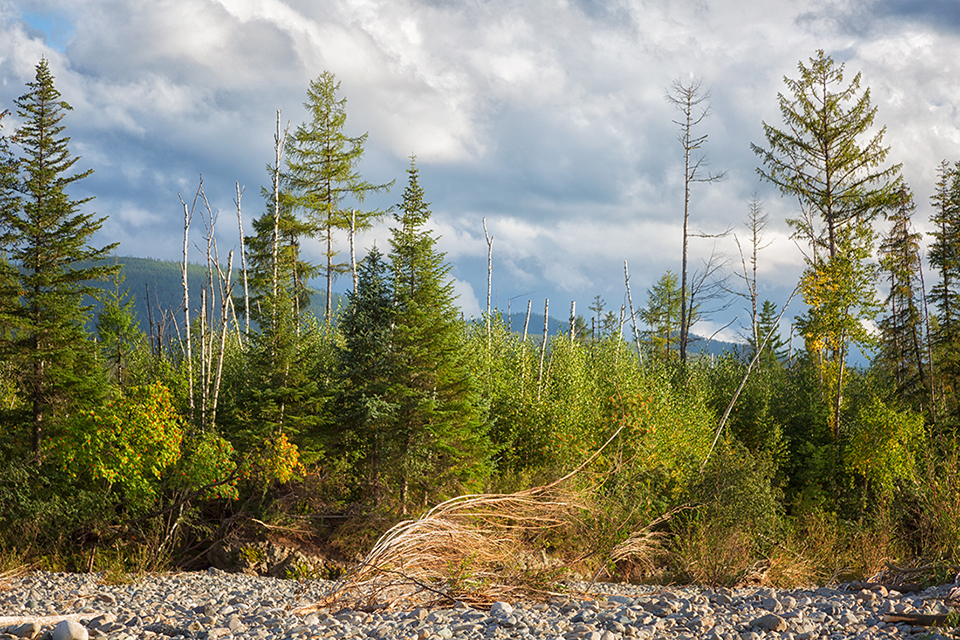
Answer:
(26, 630)
(770, 622)
(70, 630)
(501, 609)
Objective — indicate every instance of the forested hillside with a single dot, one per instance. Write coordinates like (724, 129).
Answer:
(284, 412)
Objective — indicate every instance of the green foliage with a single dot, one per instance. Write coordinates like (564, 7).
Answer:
(127, 444)
(944, 258)
(441, 429)
(901, 356)
(775, 351)
(322, 172)
(662, 315)
(118, 332)
(207, 460)
(882, 445)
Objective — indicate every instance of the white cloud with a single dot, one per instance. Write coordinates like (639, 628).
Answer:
(546, 118)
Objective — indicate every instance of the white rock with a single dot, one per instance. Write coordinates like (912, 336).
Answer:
(70, 630)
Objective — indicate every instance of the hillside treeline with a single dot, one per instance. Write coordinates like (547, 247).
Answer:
(135, 447)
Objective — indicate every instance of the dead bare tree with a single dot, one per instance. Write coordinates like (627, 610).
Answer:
(243, 261)
(543, 344)
(633, 313)
(688, 98)
(187, 218)
(489, 240)
(756, 223)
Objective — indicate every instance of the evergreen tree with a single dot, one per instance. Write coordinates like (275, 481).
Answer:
(944, 256)
(774, 351)
(826, 157)
(45, 234)
(366, 432)
(322, 172)
(293, 271)
(901, 353)
(662, 315)
(441, 428)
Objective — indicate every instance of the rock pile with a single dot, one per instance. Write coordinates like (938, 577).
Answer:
(214, 605)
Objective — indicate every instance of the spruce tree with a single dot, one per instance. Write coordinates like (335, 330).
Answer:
(901, 354)
(775, 351)
(443, 445)
(944, 256)
(367, 430)
(45, 235)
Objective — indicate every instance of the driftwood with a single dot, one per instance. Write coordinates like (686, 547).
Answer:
(6, 621)
(918, 619)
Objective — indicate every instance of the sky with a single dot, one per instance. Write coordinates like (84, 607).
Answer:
(546, 118)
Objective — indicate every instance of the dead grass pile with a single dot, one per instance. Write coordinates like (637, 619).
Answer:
(477, 549)
(474, 549)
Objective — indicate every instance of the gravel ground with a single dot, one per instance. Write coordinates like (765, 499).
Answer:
(218, 605)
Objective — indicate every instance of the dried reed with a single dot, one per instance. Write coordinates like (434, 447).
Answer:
(472, 549)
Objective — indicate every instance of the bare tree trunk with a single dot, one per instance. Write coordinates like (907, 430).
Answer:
(353, 251)
(687, 97)
(279, 143)
(204, 383)
(543, 344)
(573, 319)
(526, 322)
(489, 239)
(225, 294)
(187, 217)
(633, 314)
(243, 262)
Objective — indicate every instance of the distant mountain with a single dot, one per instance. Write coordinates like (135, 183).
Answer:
(156, 287)
(698, 344)
(157, 290)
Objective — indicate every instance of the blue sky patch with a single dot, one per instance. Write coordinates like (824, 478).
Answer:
(57, 29)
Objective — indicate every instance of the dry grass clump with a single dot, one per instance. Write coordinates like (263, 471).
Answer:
(477, 549)
(474, 549)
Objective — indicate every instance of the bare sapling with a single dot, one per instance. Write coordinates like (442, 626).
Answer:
(187, 218)
(225, 295)
(633, 314)
(573, 319)
(526, 322)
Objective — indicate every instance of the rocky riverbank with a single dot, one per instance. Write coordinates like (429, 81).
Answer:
(215, 605)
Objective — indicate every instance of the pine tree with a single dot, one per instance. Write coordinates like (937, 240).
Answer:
(45, 234)
(901, 354)
(442, 433)
(944, 256)
(322, 173)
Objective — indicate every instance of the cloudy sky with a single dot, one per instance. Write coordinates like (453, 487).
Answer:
(546, 117)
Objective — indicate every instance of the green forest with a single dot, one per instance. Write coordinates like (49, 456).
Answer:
(249, 405)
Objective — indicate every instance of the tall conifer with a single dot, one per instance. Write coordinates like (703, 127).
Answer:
(46, 235)
(443, 443)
